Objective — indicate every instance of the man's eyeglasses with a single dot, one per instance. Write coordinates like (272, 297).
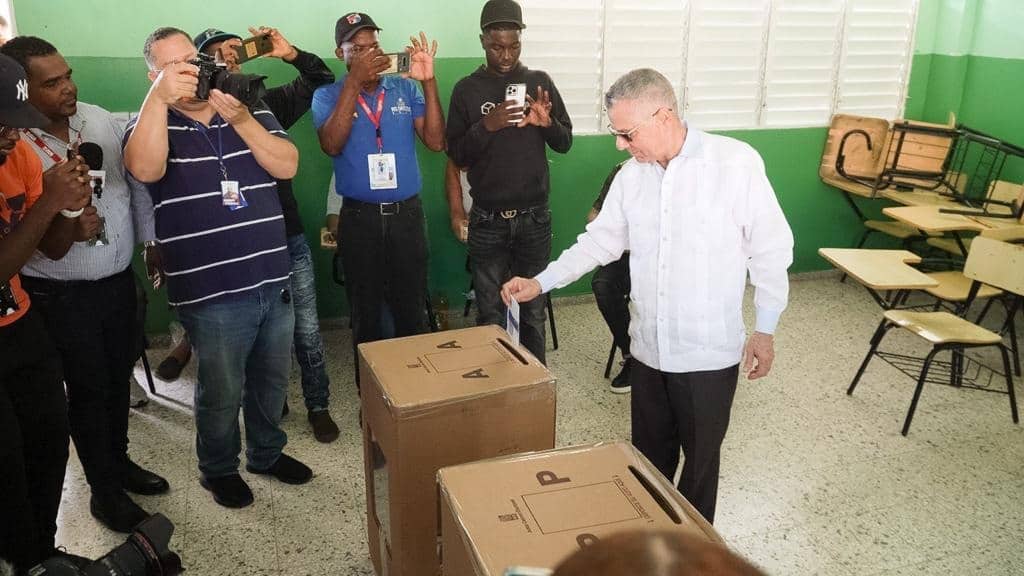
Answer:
(628, 135)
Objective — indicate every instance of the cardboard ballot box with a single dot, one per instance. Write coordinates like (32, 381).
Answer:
(437, 400)
(537, 509)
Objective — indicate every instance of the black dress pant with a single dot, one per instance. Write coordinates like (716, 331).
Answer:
(384, 254)
(93, 326)
(33, 441)
(684, 410)
(610, 285)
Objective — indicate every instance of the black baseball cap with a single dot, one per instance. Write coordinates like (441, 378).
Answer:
(501, 11)
(15, 110)
(351, 23)
(211, 35)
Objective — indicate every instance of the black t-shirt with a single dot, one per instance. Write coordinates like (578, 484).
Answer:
(508, 169)
(599, 203)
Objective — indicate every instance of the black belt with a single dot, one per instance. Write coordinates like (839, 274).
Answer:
(385, 208)
(66, 284)
(512, 213)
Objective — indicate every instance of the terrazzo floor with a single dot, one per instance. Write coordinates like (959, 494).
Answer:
(813, 481)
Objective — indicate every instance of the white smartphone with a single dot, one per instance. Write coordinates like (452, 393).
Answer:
(516, 93)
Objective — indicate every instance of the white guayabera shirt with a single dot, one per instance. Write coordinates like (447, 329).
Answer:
(694, 230)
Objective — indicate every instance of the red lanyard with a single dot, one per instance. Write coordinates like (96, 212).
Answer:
(42, 145)
(375, 118)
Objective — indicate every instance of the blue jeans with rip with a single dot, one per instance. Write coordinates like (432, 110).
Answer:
(309, 346)
(243, 345)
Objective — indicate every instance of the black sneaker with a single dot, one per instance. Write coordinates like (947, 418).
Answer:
(620, 384)
(228, 491)
(287, 470)
(117, 511)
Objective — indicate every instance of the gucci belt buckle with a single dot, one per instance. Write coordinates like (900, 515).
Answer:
(509, 214)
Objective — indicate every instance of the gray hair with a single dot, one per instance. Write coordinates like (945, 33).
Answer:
(644, 84)
(158, 35)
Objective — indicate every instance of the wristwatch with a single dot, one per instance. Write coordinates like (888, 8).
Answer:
(150, 243)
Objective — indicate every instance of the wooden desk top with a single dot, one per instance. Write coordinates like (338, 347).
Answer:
(879, 269)
(918, 198)
(929, 219)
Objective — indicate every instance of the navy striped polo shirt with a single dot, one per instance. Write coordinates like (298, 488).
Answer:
(209, 250)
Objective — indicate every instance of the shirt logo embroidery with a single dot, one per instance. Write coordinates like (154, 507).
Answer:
(401, 107)
(22, 90)
(487, 107)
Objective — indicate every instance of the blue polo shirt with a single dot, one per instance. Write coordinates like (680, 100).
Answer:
(403, 103)
(209, 250)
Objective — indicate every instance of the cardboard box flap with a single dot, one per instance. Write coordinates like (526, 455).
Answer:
(553, 502)
(419, 374)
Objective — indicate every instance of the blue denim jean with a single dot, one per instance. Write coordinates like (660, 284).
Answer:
(309, 346)
(243, 344)
(500, 248)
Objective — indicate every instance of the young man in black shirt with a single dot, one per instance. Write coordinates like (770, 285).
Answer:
(504, 146)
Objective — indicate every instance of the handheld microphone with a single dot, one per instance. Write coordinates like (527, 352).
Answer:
(93, 156)
(71, 213)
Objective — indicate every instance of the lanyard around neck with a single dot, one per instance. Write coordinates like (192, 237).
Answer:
(375, 118)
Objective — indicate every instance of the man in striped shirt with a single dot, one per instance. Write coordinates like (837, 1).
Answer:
(210, 166)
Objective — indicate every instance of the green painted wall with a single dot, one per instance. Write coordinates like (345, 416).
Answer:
(110, 73)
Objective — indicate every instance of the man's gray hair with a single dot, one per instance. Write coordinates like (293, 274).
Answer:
(158, 35)
(644, 84)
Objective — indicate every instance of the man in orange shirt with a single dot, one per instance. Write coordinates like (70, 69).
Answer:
(33, 409)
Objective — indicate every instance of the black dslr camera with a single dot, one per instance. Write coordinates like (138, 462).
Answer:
(247, 88)
(144, 554)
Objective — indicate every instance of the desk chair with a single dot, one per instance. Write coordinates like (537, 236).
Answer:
(991, 262)
(1000, 194)
(865, 155)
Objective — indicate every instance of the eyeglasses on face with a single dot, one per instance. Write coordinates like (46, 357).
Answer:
(628, 135)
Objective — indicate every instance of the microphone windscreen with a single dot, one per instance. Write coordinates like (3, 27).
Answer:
(93, 155)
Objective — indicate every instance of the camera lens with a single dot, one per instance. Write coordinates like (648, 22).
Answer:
(247, 88)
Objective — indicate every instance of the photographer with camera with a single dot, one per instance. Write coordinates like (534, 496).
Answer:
(37, 212)
(502, 118)
(288, 102)
(366, 122)
(87, 298)
(210, 167)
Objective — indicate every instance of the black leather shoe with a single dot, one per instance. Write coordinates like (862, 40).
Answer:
(620, 384)
(324, 428)
(287, 470)
(117, 511)
(138, 480)
(228, 491)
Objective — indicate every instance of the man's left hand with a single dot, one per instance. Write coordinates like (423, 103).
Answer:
(538, 112)
(283, 49)
(421, 58)
(760, 348)
(229, 108)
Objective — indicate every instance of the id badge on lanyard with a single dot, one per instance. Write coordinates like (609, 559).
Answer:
(382, 167)
(230, 192)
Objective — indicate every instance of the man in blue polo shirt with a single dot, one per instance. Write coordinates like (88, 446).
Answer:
(210, 166)
(366, 122)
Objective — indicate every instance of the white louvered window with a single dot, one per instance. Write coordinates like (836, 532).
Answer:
(804, 42)
(876, 51)
(649, 34)
(734, 63)
(725, 62)
(564, 38)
